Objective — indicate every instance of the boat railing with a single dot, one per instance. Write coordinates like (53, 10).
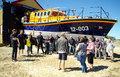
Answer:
(102, 14)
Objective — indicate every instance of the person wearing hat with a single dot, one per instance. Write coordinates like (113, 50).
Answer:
(62, 45)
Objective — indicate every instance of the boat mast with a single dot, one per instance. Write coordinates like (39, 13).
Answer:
(82, 11)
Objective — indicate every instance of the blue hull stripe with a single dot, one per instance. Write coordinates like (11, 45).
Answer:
(77, 28)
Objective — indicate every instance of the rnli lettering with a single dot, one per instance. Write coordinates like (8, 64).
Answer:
(80, 28)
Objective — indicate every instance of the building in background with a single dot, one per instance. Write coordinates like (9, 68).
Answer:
(11, 14)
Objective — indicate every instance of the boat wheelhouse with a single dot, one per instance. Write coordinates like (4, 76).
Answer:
(48, 16)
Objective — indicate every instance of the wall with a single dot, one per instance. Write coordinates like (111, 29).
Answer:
(1, 16)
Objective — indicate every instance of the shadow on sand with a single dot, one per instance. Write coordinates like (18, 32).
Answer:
(98, 68)
(34, 56)
(74, 68)
(116, 61)
(116, 55)
(28, 60)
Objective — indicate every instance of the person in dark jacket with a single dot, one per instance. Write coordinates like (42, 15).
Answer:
(52, 41)
(71, 45)
(86, 39)
(14, 42)
(21, 38)
(47, 41)
(97, 48)
(56, 38)
(76, 44)
(103, 47)
(93, 38)
(40, 42)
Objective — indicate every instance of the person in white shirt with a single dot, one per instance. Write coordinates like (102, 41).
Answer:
(110, 49)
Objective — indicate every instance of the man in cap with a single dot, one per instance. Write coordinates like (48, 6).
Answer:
(62, 45)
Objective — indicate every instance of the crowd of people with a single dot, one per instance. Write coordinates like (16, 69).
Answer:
(81, 47)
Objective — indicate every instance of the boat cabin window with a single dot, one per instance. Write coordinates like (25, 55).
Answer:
(54, 13)
(35, 14)
(44, 13)
(48, 13)
(38, 14)
(41, 13)
(61, 14)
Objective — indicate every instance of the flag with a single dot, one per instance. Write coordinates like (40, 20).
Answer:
(100, 27)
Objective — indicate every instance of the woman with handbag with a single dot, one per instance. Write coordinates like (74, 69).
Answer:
(81, 48)
(90, 52)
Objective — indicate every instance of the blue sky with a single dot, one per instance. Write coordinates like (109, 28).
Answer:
(111, 6)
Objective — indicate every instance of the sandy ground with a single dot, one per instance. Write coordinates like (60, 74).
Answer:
(47, 66)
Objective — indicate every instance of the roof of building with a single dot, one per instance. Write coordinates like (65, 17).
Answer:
(28, 3)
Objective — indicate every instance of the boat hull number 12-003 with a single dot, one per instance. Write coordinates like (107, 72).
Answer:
(79, 28)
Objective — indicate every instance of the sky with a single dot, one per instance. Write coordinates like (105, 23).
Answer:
(111, 6)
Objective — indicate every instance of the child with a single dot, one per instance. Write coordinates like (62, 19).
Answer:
(28, 44)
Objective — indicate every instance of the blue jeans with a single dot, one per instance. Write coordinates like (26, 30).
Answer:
(104, 52)
(28, 48)
(97, 51)
(46, 49)
(38, 46)
(83, 64)
(51, 47)
(56, 48)
(71, 48)
(14, 53)
(75, 54)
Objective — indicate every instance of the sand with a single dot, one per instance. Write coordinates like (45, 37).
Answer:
(47, 65)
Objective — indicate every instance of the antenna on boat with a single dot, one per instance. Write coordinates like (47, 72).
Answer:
(82, 12)
(47, 3)
(102, 10)
(68, 12)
